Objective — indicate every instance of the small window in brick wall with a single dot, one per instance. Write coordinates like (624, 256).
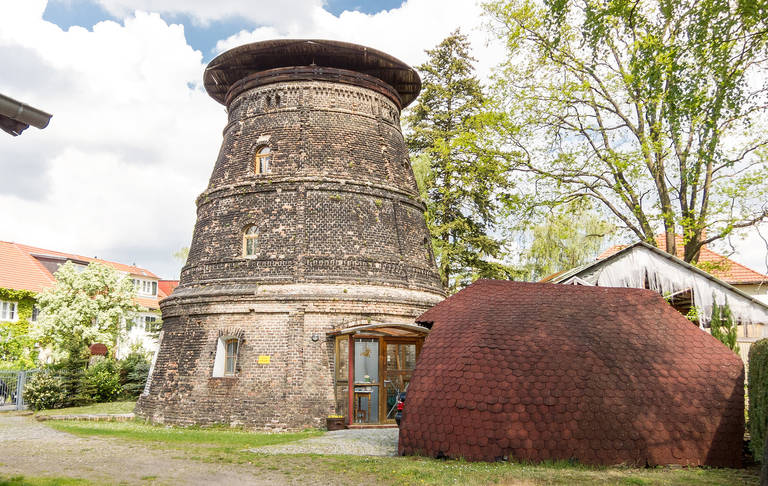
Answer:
(262, 159)
(227, 350)
(250, 241)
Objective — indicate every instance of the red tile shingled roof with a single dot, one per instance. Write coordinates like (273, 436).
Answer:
(547, 372)
(20, 270)
(166, 287)
(131, 269)
(726, 269)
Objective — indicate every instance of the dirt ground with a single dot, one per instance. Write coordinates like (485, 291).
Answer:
(30, 448)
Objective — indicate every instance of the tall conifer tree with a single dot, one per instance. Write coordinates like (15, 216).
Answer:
(463, 185)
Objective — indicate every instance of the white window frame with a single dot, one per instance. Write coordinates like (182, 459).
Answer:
(141, 322)
(9, 311)
(220, 361)
(147, 288)
(148, 320)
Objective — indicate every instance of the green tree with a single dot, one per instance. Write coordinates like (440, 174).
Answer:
(182, 255)
(722, 326)
(85, 307)
(463, 184)
(654, 108)
(569, 236)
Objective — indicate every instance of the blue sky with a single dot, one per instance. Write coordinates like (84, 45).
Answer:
(86, 13)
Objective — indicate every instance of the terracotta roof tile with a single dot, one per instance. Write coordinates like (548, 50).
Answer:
(131, 269)
(20, 270)
(166, 287)
(632, 381)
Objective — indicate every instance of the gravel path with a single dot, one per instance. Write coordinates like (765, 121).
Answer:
(359, 442)
(30, 448)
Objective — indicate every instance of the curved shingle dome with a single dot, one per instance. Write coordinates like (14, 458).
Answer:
(601, 375)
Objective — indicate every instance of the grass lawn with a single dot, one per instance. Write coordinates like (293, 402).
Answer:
(221, 445)
(42, 481)
(96, 408)
(213, 438)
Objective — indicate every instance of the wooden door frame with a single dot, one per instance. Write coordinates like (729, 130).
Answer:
(383, 340)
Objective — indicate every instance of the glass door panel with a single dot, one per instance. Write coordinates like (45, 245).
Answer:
(400, 362)
(366, 392)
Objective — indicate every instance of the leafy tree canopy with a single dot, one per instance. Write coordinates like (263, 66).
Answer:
(461, 182)
(569, 236)
(86, 306)
(182, 255)
(655, 109)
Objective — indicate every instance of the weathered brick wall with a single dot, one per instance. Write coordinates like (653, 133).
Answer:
(340, 187)
(295, 389)
(341, 239)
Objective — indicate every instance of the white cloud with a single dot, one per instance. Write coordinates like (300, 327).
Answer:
(403, 32)
(260, 12)
(131, 143)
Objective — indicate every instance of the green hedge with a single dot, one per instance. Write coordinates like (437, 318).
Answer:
(758, 396)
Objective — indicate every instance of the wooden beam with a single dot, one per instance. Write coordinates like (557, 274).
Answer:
(351, 381)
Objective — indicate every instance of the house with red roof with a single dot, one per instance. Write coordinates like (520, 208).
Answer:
(25, 271)
(690, 289)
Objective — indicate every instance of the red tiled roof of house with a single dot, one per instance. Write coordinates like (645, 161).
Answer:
(548, 372)
(166, 287)
(131, 269)
(723, 267)
(21, 271)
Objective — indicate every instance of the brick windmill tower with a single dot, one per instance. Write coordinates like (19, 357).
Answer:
(310, 257)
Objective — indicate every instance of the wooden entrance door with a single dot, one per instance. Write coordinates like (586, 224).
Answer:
(370, 371)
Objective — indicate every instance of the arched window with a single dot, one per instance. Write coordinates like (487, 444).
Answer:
(250, 241)
(261, 161)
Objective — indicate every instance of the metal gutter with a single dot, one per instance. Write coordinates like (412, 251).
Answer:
(15, 116)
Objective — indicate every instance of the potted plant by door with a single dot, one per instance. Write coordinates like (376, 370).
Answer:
(335, 422)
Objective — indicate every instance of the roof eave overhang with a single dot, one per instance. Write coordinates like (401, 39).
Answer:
(663, 254)
(379, 327)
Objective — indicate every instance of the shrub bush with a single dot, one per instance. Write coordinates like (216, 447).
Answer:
(134, 369)
(722, 327)
(45, 390)
(758, 396)
(71, 370)
(100, 383)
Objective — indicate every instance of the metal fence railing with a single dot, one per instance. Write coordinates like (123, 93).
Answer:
(12, 389)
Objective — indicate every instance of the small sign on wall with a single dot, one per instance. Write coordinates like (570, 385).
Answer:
(263, 359)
